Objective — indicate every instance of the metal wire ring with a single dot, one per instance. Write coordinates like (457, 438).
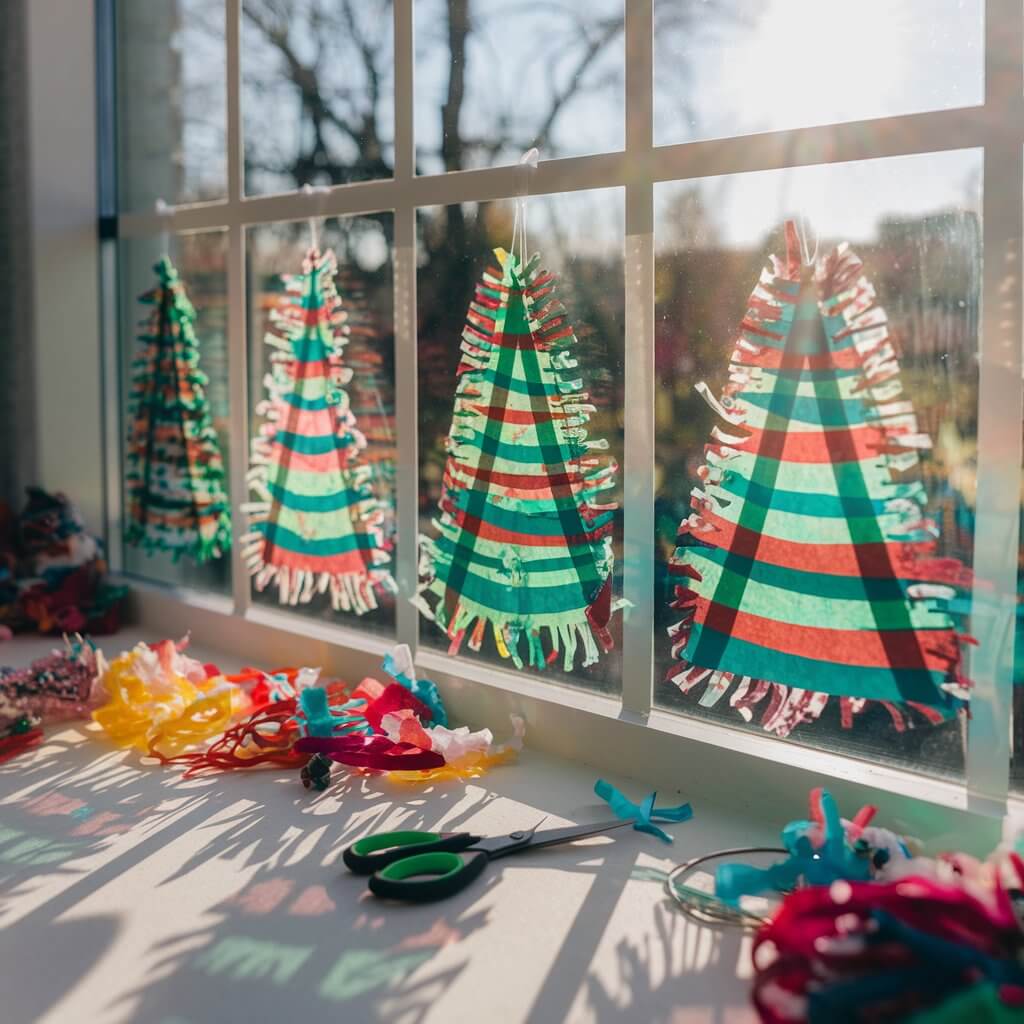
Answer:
(704, 908)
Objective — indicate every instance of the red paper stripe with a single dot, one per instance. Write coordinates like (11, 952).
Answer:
(521, 481)
(882, 560)
(349, 562)
(486, 531)
(518, 417)
(912, 649)
(867, 442)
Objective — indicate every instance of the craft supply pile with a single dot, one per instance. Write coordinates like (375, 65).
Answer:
(52, 571)
(177, 710)
(863, 927)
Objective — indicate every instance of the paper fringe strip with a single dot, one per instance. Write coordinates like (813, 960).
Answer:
(523, 546)
(315, 527)
(375, 727)
(645, 817)
(174, 472)
(767, 583)
(161, 702)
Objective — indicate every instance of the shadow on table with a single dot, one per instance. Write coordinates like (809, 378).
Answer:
(293, 927)
(276, 927)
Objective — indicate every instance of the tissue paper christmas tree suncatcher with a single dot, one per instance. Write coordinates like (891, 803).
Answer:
(524, 546)
(807, 570)
(176, 496)
(315, 526)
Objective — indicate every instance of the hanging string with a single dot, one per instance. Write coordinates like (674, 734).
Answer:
(163, 211)
(527, 162)
(807, 257)
(316, 220)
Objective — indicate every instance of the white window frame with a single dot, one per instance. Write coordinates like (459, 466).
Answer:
(627, 730)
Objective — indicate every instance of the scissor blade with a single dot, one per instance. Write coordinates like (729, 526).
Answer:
(556, 836)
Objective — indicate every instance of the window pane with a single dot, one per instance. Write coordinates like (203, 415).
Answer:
(317, 92)
(527, 535)
(724, 69)
(492, 81)
(330, 502)
(808, 525)
(171, 102)
(1017, 762)
(200, 261)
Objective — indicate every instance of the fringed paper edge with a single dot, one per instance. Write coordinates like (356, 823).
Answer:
(348, 591)
(850, 295)
(568, 634)
(202, 460)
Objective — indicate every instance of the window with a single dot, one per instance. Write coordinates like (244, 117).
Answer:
(677, 141)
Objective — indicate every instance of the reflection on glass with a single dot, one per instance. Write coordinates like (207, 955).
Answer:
(914, 222)
(724, 69)
(494, 80)
(362, 246)
(171, 102)
(200, 259)
(580, 238)
(317, 92)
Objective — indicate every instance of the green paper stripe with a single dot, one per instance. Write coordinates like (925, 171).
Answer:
(303, 445)
(746, 659)
(329, 502)
(817, 612)
(520, 602)
(282, 537)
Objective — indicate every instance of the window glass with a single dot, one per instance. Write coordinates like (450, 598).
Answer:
(492, 80)
(1017, 761)
(200, 261)
(531, 491)
(724, 69)
(331, 501)
(171, 102)
(317, 92)
(806, 472)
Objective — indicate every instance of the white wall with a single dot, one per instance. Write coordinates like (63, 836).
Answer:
(63, 198)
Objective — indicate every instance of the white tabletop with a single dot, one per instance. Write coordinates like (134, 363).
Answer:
(128, 895)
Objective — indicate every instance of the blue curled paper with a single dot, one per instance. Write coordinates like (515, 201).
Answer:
(644, 815)
(423, 689)
(320, 721)
(833, 860)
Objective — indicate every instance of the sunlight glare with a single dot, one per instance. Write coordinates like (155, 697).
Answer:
(819, 62)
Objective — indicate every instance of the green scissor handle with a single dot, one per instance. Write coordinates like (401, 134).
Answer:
(423, 877)
(376, 852)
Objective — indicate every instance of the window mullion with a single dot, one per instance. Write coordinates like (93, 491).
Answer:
(638, 419)
(238, 443)
(406, 380)
(1000, 409)
(236, 169)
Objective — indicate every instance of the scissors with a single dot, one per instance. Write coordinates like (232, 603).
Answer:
(417, 867)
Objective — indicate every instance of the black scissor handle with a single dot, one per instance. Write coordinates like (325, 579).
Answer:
(376, 852)
(425, 877)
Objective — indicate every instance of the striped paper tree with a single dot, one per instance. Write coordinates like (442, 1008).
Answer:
(807, 570)
(174, 473)
(315, 525)
(523, 546)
